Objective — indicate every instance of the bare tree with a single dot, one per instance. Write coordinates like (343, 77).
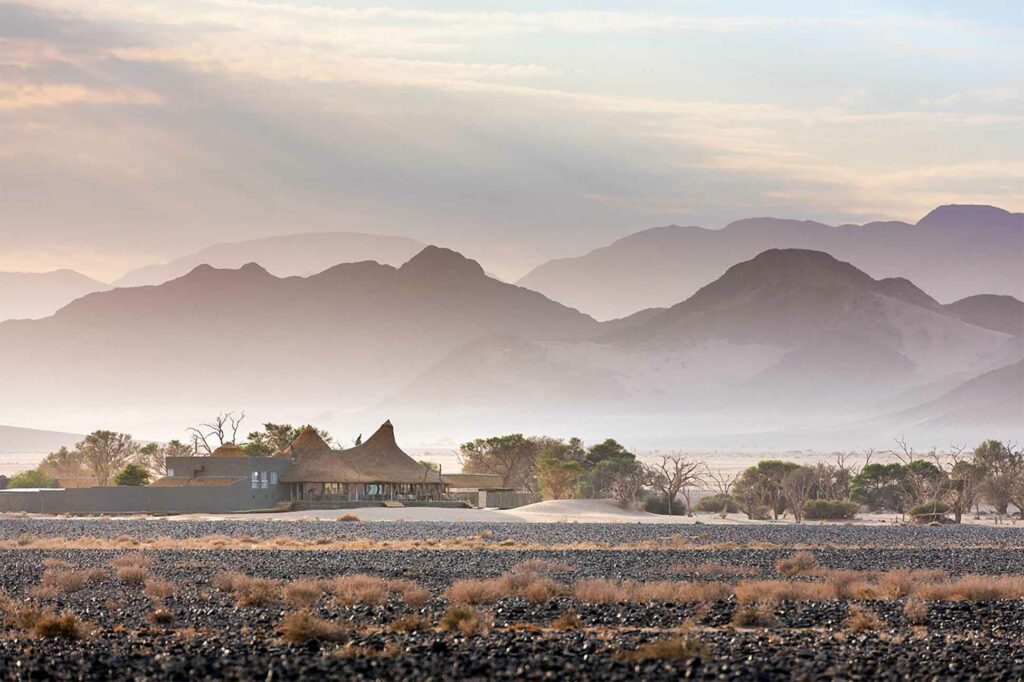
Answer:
(723, 483)
(676, 473)
(207, 437)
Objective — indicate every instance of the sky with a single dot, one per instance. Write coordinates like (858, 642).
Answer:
(131, 133)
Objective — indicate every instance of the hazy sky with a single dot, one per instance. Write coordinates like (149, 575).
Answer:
(131, 132)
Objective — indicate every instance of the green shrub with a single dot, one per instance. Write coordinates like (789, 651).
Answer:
(717, 504)
(925, 508)
(830, 510)
(656, 504)
(132, 475)
(33, 478)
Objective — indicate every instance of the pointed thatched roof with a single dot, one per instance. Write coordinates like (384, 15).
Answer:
(377, 460)
(228, 450)
(307, 443)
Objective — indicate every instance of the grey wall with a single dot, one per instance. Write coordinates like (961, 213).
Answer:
(159, 499)
(189, 499)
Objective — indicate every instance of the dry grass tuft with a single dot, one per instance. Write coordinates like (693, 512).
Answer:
(49, 625)
(681, 648)
(303, 593)
(781, 590)
(798, 563)
(133, 560)
(567, 620)
(359, 589)
(903, 583)
(302, 626)
(915, 611)
(974, 588)
(250, 591)
(466, 620)
(472, 591)
(158, 588)
(132, 575)
(862, 619)
(349, 517)
(410, 623)
(411, 593)
(597, 591)
(753, 615)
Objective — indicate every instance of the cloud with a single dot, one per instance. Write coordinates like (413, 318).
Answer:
(155, 127)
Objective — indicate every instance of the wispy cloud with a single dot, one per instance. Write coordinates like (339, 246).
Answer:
(166, 125)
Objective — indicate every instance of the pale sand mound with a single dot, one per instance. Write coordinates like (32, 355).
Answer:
(594, 511)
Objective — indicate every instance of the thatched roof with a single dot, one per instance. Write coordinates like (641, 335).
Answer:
(228, 450)
(307, 443)
(377, 460)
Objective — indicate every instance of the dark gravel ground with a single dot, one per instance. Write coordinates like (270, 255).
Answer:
(212, 637)
(787, 534)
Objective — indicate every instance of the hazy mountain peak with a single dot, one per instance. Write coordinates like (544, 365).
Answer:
(39, 294)
(792, 266)
(971, 217)
(284, 255)
(437, 262)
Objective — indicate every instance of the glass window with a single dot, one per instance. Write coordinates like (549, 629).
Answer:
(273, 478)
(255, 479)
(264, 479)
(170, 472)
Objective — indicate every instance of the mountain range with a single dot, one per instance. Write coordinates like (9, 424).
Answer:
(215, 339)
(31, 295)
(953, 252)
(788, 338)
(293, 254)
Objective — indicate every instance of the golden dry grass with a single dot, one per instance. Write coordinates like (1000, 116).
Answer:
(680, 648)
(798, 563)
(567, 620)
(303, 593)
(359, 589)
(158, 588)
(303, 626)
(466, 620)
(862, 619)
(413, 622)
(132, 575)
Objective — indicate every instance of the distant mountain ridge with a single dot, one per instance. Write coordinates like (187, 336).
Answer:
(31, 295)
(790, 336)
(14, 439)
(284, 255)
(953, 252)
(216, 338)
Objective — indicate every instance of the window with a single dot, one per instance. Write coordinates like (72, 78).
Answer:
(255, 480)
(264, 479)
(273, 478)
(170, 472)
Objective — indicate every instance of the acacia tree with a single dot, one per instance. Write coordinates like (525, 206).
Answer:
(104, 452)
(674, 473)
(627, 481)
(64, 464)
(797, 486)
(513, 457)
(154, 456)
(1004, 478)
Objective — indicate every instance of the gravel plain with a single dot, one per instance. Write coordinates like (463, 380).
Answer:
(207, 634)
